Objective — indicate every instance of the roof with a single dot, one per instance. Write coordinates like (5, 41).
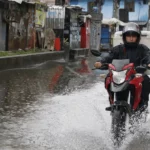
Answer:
(113, 21)
(17, 1)
(27, 1)
(140, 22)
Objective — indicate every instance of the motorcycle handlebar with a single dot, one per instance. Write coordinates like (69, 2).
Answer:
(105, 67)
(142, 68)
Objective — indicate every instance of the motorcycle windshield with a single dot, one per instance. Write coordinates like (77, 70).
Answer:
(120, 63)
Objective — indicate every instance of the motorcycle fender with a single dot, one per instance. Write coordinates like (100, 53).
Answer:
(118, 88)
(137, 82)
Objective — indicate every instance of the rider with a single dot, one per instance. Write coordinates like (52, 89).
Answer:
(132, 50)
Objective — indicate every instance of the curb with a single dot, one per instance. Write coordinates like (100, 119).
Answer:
(26, 60)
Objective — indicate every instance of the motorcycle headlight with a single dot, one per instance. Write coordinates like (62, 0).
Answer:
(119, 77)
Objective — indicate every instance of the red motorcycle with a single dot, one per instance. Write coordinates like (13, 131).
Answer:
(124, 86)
(123, 83)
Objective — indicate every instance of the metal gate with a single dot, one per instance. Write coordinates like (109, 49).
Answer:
(2, 33)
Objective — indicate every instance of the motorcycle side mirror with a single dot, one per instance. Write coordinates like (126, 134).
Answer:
(140, 69)
(96, 53)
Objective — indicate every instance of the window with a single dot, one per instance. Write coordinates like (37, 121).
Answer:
(130, 5)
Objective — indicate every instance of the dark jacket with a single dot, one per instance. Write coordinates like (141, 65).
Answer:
(136, 55)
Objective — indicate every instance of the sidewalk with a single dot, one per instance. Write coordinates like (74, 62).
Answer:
(27, 60)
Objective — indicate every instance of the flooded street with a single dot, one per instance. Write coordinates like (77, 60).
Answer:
(58, 106)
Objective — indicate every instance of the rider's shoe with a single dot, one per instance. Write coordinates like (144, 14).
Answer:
(143, 108)
(108, 108)
(143, 105)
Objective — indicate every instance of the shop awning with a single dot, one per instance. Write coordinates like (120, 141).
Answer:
(113, 21)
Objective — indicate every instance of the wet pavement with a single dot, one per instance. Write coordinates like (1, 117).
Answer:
(59, 106)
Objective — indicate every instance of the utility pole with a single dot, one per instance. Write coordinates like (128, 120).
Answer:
(148, 25)
(149, 9)
(116, 9)
(59, 2)
(95, 23)
(99, 3)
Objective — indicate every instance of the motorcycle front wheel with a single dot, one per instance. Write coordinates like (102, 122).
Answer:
(118, 126)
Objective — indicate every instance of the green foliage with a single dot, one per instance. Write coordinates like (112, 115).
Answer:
(19, 52)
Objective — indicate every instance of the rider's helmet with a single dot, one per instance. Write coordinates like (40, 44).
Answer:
(131, 29)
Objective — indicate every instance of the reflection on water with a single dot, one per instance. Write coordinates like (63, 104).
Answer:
(59, 107)
(21, 87)
(22, 93)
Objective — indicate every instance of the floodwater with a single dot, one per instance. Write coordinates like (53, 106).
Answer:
(58, 106)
